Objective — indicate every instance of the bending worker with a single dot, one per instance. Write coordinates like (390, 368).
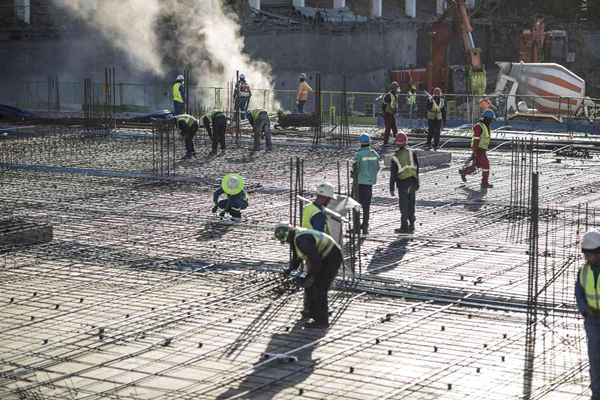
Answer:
(587, 293)
(322, 258)
(365, 170)
(302, 94)
(480, 144)
(215, 124)
(232, 185)
(313, 214)
(178, 94)
(260, 122)
(404, 175)
(436, 117)
(188, 126)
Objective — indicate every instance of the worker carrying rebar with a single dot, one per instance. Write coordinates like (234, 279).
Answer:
(480, 143)
(313, 214)
(178, 94)
(188, 126)
(390, 107)
(587, 293)
(261, 124)
(322, 258)
(242, 95)
(436, 117)
(236, 198)
(302, 94)
(364, 172)
(215, 124)
(404, 176)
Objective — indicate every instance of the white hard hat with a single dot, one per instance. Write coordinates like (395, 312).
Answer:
(303, 76)
(591, 242)
(326, 190)
(180, 78)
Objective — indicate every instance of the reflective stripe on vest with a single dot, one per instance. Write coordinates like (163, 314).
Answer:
(324, 242)
(310, 211)
(405, 161)
(177, 93)
(255, 114)
(590, 287)
(412, 98)
(211, 116)
(391, 107)
(436, 110)
(188, 119)
(484, 138)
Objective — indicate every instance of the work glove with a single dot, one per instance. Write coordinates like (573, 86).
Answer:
(304, 280)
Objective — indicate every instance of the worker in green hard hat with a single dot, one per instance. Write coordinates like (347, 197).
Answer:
(236, 198)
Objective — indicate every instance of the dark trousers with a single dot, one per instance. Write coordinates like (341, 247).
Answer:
(365, 194)
(219, 125)
(178, 108)
(188, 139)
(390, 125)
(301, 104)
(316, 302)
(434, 131)
(592, 330)
(407, 200)
(233, 205)
(263, 124)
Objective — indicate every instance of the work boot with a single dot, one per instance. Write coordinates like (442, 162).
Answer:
(486, 185)
(187, 157)
(462, 174)
(365, 229)
(236, 220)
(403, 229)
(316, 325)
(411, 228)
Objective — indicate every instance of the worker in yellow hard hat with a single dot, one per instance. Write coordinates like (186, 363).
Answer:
(236, 198)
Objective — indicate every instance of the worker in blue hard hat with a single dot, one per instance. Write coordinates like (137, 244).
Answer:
(480, 143)
(364, 172)
(236, 198)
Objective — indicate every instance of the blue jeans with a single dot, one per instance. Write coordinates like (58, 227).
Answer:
(301, 104)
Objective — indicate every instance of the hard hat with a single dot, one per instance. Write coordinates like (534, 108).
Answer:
(488, 114)
(282, 232)
(437, 91)
(242, 77)
(180, 78)
(232, 184)
(395, 84)
(364, 138)
(401, 139)
(326, 190)
(303, 76)
(590, 243)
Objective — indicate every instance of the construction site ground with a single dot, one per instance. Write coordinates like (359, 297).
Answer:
(143, 294)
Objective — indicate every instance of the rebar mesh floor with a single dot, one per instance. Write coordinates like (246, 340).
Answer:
(143, 295)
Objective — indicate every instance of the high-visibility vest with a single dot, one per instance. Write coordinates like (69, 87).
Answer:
(436, 110)
(412, 98)
(255, 114)
(212, 115)
(177, 93)
(405, 160)
(244, 89)
(309, 211)
(187, 118)
(484, 139)
(391, 106)
(324, 242)
(590, 287)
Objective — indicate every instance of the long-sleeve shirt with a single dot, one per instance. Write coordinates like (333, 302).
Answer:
(582, 305)
(394, 179)
(308, 246)
(437, 101)
(476, 137)
(303, 90)
(366, 164)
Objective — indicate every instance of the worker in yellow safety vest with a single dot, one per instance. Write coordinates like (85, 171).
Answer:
(587, 293)
(313, 214)
(480, 143)
(404, 175)
(436, 117)
(390, 107)
(236, 198)
(178, 95)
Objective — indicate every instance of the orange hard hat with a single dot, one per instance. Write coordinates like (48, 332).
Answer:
(401, 139)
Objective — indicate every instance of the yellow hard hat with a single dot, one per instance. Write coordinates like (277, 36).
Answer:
(232, 184)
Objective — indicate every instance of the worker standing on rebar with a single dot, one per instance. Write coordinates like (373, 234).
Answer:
(313, 214)
(242, 95)
(480, 143)
(215, 124)
(404, 175)
(390, 107)
(364, 171)
(411, 101)
(302, 94)
(178, 94)
(587, 293)
(188, 126)
(232, 186)
(260, 122)
(322, 258)
(436, 117)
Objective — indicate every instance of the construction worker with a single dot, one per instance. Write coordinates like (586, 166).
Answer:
(322, 257)
(587, 293)
(404, 175)
(259, 119)
(390, 106)
(411, 100)
(232, 185)
(365, 170)
(480, 143)
(215, 124)
(241, 95)
(188, 126)
(436, 117)
(178, 94)
(313, 214)
(302, 94)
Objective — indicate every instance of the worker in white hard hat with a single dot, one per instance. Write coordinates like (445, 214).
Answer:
(304, 90)
(587, 293)
(242, 95)
(236, 198)
(178, 94)
(322, 258)
(313, 214)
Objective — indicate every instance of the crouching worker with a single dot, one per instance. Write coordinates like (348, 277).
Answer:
(232, 186)
(322, 258)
